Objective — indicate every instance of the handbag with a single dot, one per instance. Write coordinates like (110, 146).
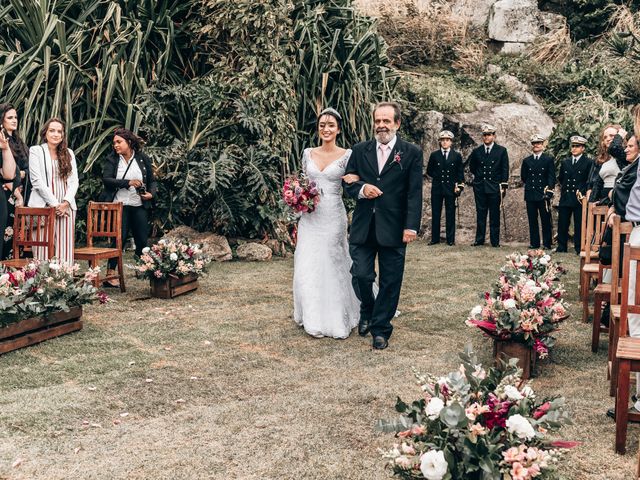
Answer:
(604, 253)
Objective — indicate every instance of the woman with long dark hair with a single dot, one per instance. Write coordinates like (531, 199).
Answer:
(128, 178)
(54, 180)
(16, 190)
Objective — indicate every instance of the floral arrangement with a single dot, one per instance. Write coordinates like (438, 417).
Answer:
(43, 287)
(525, 304)
(474, 424)
(301, 193)
(171, 258)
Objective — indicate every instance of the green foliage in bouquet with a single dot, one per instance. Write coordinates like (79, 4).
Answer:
(41, 288)
(474, 424)
(168, 258)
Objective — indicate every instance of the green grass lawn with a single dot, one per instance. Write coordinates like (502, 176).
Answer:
(222, 384)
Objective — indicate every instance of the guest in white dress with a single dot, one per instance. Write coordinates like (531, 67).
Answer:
(54, 179)
(324, 301)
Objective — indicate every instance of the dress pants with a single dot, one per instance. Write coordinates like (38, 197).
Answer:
(381, 309)
(437, 199)
(487, 202)
(535, 208)
(564, 220)
(134, 219)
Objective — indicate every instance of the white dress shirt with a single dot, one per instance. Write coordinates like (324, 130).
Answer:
(128, 196)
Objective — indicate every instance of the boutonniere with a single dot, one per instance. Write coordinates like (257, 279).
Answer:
(397, 158)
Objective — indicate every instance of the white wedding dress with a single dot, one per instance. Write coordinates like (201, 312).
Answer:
(323, 297)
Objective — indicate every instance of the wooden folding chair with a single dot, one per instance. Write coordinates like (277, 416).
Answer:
(609, 292)
(104, 220)
(32, 228)
(596, 218)
(628, 349)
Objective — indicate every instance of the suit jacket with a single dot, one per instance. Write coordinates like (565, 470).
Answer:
(489, 171)
(41, 176)
(574, 178)
(622, 189)
(400, 205)
(113, 184)
(536, 175)
(445, 173)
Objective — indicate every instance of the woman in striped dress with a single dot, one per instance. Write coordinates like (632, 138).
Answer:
(54, 179)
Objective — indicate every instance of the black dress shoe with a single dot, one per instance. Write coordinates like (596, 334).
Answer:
(434, 242)
(611, 413)
(560, 250)
(477, 244)
(495, 245)
(547, 247)
(363, 327)
(451, 244)
(531, 247)
(380, 343)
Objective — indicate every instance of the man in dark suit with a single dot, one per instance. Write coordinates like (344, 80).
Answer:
(386, 218)
(573, 178)
(489, 165)
(538, 174)
(446, 169)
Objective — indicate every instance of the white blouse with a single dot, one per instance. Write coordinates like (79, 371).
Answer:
(609, 171)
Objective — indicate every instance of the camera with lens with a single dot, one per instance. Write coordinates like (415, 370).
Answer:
(141, 190)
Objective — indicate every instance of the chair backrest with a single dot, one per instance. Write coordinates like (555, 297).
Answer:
(33, 227)
(596, 218)
(104, 220)
(583, 223)
(631, 256)
(620, 235)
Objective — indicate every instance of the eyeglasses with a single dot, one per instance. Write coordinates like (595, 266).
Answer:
(488, 134)
(576, 146)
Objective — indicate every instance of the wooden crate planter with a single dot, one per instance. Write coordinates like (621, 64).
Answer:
(37, 329)
(173, 286)
(525, 354)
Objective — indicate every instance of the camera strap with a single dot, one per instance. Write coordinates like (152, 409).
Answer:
(128, 167)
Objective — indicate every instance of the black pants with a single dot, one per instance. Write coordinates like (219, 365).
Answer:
(564, 220)
(534, 209)
(381, 309)
(450, 215)
(134, 219)
(487, 203)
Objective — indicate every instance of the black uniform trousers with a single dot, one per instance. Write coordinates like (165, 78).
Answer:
(381, 309)
(487, 202)
(537, 208)
(134, 219)
(437, 199)
(564, 219)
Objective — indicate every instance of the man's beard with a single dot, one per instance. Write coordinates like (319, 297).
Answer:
(384, 136)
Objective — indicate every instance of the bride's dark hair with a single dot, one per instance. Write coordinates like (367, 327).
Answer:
(332, 112)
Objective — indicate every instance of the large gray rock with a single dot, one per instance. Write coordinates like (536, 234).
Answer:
(514, 21)
(476, 10)
(518, 89)
(214, 246)
(254, 252)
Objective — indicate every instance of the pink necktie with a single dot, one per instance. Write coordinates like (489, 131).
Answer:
(382, 156)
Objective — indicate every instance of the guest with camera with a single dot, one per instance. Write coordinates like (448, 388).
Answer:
(128, 178)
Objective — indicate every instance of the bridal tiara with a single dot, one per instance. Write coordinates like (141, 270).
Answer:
(331, 111)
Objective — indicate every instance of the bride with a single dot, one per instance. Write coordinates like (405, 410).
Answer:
(324, 301)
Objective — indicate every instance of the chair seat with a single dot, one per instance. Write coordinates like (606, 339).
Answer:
(16, 262)
(591, 268)
(615, 311)
(628, 348)
(602, 289)
(87, 253)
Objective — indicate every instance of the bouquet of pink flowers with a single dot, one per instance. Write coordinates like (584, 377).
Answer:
(474, 424)
(171, 258)
(43, 287)
(535, 264)
(301, 193)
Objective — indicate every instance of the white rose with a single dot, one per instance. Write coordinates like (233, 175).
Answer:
(544, 260)
(173, 256)
(527, 391)
(54, 266)
(433, 465)
(512, 393)
(146, 250)
(520, 426)
(477, 310)
(433, 408)
(509, 303)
